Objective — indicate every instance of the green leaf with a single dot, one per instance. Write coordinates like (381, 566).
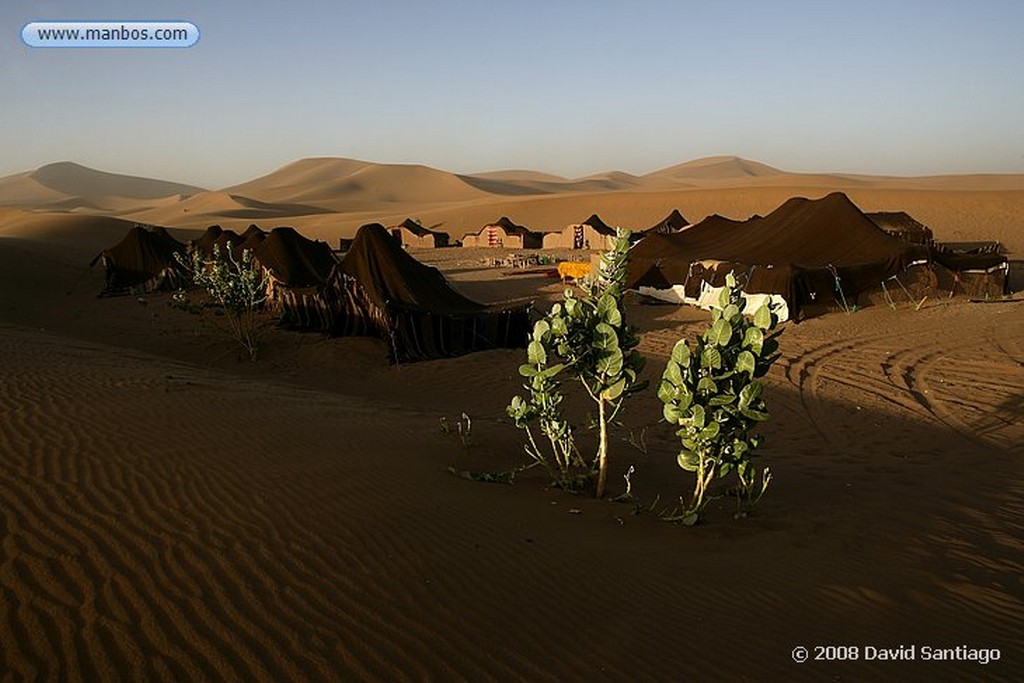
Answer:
(722, 400)
(706, 385)
(685, 398)
(671, 413)
(763, 317)
(730, 280)
(753, 339)
(688, 460)
(666, 391)
(540, 329)
(615, 390)
(536, 354)
(527, 370)
(745, 362)
(697, 417)
(558, 326)
(725, 298)
(749, 394)
(549, 372)
(673, 373)
(720, 333)
(681, 352)
(710, 432)
(610, 363)
(711, 358)
(755, 415)
(605, 337)
(608, 310)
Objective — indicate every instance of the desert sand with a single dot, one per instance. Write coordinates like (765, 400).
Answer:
(173, 512)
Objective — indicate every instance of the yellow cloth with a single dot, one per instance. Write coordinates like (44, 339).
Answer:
(573, 269)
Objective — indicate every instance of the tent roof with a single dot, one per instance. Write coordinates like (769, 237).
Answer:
(143, 253)
(674, 222)
(393, 278)
(415, 228)
(217, 235)
(599, 225)
(511, 228)
(810, 233)
(294, 260)
(900, 223)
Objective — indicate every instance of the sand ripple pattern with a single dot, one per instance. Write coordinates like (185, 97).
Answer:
(163, 524)
(974, 387)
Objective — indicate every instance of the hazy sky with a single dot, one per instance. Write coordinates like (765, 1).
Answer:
(564, 86)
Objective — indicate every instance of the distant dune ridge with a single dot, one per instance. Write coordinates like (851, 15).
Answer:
(329, 197)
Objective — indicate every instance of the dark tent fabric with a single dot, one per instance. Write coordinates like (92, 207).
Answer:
(903, 225)
(251, 238)
(143, 261)
(531, 239)
(599, 225)
(301, 272)
(670, 224)
(215, 235)
(294, 260)
(440, 238)
(799, 251)
(388, 293)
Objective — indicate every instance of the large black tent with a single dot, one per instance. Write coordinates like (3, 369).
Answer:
(144, 261)
(808, 251)
(669, 225)
(217, 236)
(301, 274)
(386, 292)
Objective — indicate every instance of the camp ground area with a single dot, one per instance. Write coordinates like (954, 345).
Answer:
(356, 502)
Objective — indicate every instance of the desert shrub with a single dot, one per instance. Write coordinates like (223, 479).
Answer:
(585, 337)
(238, 286)
(711, 391)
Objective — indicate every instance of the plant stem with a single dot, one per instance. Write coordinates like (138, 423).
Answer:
(602, 450)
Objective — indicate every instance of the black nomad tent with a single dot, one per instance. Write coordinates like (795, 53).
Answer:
(808, 251)
(143, 261)
(386, 292)
(215, 235)
(301, 274)
(669, 225)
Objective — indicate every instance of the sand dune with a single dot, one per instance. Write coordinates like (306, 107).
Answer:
(345, 184)
(716, 168)
(174, 513)
(331, 197)
(213, 207)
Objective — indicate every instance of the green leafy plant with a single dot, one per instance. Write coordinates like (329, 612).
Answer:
(238, 286)
(586, 337)
(710, 390)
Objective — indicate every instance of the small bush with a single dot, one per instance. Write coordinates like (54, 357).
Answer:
(239, 287)
(711, 391)
(588, 338)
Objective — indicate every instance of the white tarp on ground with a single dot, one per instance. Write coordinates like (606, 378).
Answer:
(709, 295)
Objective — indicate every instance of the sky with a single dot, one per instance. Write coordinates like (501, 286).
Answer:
(900, 87)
